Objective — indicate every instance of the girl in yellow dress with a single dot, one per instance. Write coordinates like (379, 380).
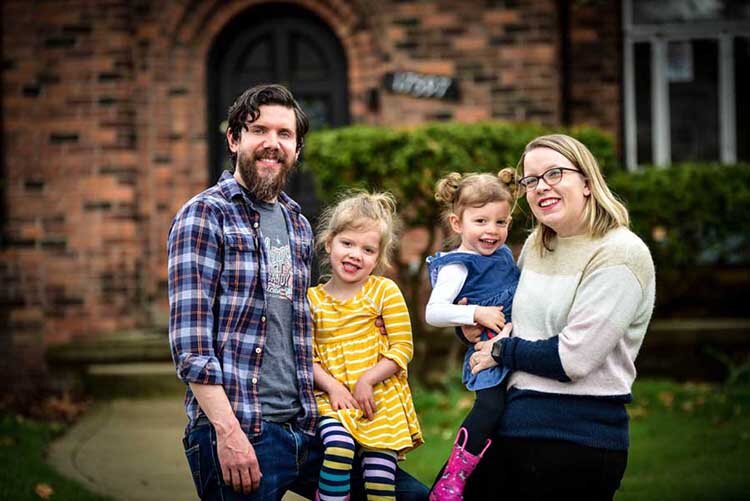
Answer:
(360, 374)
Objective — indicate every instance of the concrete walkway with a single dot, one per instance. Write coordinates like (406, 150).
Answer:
(129, 449)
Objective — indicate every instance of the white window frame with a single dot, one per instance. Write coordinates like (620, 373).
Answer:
(659, 35)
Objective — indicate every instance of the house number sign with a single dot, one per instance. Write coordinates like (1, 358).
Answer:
(419, 85)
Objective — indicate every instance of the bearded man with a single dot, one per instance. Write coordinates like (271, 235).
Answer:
(239, 256)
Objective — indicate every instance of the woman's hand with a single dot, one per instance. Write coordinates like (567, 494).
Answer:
(341, 398)
(482, 358)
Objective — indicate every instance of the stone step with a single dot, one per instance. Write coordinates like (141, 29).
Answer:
(680, 348)
(118, 348)
(687, 348)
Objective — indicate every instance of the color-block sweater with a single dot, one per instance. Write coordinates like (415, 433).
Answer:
(579, 317)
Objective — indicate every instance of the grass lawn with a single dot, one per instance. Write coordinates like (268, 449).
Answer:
(688, 441)
(24, 475)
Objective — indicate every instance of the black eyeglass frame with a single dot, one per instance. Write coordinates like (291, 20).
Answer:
(523, 183)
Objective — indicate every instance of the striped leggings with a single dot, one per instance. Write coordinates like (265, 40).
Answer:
(378, 466)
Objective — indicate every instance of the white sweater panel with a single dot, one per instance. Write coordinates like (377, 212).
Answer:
(597, 295)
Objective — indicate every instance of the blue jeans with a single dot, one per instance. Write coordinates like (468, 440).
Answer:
(289, 460)
(284, 453)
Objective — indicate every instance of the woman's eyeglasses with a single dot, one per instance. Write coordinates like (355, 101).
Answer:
(551, 177)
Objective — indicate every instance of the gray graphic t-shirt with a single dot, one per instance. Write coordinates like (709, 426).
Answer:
(277, 386)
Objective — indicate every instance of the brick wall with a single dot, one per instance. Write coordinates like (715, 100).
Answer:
(595, 70)
(104, 129)
(504, 56)
(71, 252)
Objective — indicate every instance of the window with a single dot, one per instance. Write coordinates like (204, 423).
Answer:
(685, 64)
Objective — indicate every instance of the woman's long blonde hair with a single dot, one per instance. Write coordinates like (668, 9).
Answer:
(602, 212)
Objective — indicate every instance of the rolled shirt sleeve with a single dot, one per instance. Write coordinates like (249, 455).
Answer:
(194, 267)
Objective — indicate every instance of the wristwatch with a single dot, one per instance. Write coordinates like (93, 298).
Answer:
(497, 352)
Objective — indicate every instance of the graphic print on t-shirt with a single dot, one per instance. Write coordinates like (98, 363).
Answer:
(279, 268)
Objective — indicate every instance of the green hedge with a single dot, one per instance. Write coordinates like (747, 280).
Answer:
(696, 221)
(691, 214)
(694, 218)
(409, 162)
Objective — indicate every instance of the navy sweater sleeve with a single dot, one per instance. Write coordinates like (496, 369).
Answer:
(540, 358)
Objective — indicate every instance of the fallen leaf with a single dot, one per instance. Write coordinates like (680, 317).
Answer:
(637, 412)
(465, 402)
(44, 491)
(667, 398)
(6, 441)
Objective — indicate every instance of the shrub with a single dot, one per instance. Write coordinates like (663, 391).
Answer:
(409, 162)
(691, 214)
(693, 217)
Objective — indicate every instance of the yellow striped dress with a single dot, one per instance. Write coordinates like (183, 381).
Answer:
(347, 344)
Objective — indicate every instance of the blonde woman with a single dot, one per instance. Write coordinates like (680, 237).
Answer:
(581, 309)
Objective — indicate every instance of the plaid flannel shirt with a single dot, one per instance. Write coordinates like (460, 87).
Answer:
(218, 273)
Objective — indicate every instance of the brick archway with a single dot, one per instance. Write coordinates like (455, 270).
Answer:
(175, 153)
(198, 24)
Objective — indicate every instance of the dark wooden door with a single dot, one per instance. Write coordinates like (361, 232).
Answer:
(278, 43)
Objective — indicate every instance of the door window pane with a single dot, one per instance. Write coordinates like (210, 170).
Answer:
(694, 100)
(742, 96)
(317, 111)
(689, 11)
(308, 60)
(642, 53)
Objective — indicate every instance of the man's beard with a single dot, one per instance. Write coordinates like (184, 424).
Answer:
(265, 188)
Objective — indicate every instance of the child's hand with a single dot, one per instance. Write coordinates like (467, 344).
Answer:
(471, 333)
(365, 396)
(341, 398)
(491, 317)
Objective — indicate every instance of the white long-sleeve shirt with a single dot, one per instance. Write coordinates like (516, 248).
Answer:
(440, 311)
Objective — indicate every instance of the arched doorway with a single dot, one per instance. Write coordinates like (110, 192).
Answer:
(285, 44)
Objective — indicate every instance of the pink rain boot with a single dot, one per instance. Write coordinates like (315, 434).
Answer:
(461, 463)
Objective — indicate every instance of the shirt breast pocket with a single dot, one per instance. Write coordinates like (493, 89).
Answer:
(306, 251)
(241, 261)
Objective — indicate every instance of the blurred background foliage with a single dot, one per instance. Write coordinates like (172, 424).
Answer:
(693, 217)
(409, 162)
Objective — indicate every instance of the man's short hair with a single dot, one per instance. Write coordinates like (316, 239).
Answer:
(246, 109)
